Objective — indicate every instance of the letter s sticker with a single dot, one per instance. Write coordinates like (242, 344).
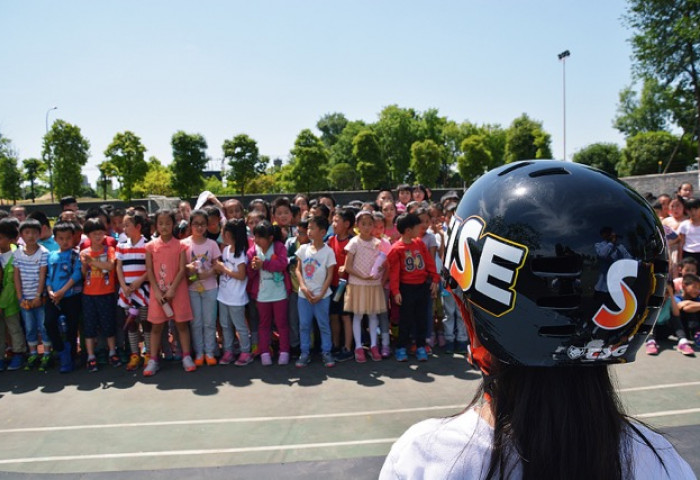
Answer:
(621, 294)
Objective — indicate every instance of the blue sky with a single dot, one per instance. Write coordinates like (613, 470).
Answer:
(273, 68)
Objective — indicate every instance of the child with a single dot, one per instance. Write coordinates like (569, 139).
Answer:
(116, 217)
(31, 262)
(202, 254)
(430, 242)
(97, 262)
(689, 230)
(389, 212)
(292, 245)
(9, 306)
(233, 209)
(232, 294)
(688, 266)
(687, 307)
(64, 286)
(410, 267)
(269, 286)
(165, 263)
(343, 221)
(314, 271)
(404, 194)
(384, 247)
(46, 239)
(133, 287)
(282, 216)
(365, 295)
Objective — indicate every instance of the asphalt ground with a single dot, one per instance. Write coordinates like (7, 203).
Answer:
(273, 422)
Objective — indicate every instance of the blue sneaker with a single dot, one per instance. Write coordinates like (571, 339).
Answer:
(401, 355)
(66, 361)
(16, 362)
(421, 354)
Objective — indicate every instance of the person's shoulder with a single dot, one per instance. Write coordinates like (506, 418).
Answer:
(646, 456)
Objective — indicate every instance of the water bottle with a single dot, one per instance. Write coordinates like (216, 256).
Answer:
(341, 289)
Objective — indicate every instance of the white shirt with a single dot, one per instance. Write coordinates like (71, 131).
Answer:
(692, 236)
(315, 265)
(460, 447)
(231, 290)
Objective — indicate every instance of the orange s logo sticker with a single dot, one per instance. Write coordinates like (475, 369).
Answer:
(621, 294)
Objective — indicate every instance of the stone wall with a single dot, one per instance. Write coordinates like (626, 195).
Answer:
(662, 183)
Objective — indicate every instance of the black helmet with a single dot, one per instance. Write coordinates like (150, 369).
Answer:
(561, 263)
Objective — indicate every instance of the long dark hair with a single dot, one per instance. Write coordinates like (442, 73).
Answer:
(562, 422)
(236, 228)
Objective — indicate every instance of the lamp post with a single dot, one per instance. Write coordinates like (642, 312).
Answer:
(50, 163)
(562, 56)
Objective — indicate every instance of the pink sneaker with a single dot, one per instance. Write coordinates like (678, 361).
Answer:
(686, 349)
(283, 358)
(244, 359)
(652, 348)
(360, 355)
(374, 354)
(386, 351)
(266, 359)
(226, 358)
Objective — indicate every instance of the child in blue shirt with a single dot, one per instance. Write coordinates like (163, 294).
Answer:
(63, 285)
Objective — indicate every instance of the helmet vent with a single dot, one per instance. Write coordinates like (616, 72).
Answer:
(558, 331)
(550, 171)
(560, 266)
(514, 167)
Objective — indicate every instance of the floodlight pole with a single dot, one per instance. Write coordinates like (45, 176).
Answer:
(50, 165)
(562, 56)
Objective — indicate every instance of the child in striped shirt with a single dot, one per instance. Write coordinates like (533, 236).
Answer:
(133, 287)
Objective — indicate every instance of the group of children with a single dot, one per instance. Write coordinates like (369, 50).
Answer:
(145, 288)
(680, 316)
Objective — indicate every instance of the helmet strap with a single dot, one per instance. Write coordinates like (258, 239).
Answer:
(478, 355)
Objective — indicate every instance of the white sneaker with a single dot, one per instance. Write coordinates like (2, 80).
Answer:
(151, 368)
(188, 364)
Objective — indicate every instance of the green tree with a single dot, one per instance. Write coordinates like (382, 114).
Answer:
(666, 47)
(189, 161)
(65, 152)
(10, 176)
(476, 158)
(526, 139)
(309, 163)
(244, 160)
(108, 171)
(341, 151)
(648, 112)
(331, 126)
(342, 177)
(603, 156)
(33, 167)
(157, 180)
(645, 150)
(397, 129)
(370, 163)
(426, 159)
(125, 153)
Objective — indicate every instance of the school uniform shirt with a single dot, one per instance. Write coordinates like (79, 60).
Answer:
(232, 292)
(133, 260)
(460, 447)
(62, 266)
(98, 281)
(692, 236)
(314, 267)
(49, 244)
(29, 267)
(410, 263)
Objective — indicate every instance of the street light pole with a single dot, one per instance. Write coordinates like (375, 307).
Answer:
(50, 163)
(562, 56)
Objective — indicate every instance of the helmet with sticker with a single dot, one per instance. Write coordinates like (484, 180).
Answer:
(555, 263)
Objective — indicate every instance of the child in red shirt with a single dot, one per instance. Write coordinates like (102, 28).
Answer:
(410, 268)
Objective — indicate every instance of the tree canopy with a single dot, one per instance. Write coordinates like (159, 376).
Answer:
(126, 154)
(65, 152)
(244, 160)
(189, 161)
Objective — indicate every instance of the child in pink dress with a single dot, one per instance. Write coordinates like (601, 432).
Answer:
(165, 262)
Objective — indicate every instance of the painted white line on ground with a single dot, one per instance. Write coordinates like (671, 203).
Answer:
(668, 413)
(457, 408)
(169, 453)
(659, 387)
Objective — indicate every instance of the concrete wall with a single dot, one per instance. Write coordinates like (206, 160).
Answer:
(662, 183)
